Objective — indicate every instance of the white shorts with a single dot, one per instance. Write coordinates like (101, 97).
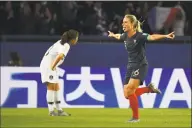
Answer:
(47, 75)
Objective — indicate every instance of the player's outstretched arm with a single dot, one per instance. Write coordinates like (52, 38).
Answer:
(116, 36)
(58, 58)
(155, 37)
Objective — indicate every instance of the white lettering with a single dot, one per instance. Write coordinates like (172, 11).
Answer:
(148, 100)
(85, 85)
(31, 85)
(177, 75)
(118, 86)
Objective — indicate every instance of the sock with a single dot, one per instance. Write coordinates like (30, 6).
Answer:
(140, 91)
(56, 100)
(50, 99)
(134, 105)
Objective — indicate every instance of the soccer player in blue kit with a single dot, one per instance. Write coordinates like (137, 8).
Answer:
(135, 40)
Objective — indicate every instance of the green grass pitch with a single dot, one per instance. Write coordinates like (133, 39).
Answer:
(95, 118)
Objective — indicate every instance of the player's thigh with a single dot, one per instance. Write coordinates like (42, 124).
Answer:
(132, 85)
(127, 76)
(140, 73)
(129, 85)
(56, 87)
(130, 88)
(129, 80)
(50, 86)
(134, 77)
(53, 86)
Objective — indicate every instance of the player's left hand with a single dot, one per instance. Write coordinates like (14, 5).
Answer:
(111, 34)
(170, 35)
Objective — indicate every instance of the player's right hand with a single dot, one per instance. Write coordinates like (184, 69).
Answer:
(170, 35)
(111, 34)
(53, 69)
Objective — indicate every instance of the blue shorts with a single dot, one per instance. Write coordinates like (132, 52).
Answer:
(136, 72)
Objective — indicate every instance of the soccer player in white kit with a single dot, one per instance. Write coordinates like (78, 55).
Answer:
(54, 57)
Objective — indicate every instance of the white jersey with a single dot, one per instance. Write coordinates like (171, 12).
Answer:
(51, 54)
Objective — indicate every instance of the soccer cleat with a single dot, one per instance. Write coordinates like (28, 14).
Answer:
(153, 89)
(133, 120)
(52, 113)
(62, 113)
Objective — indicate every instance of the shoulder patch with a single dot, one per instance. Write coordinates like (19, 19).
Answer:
(145, 34)
(123, 34)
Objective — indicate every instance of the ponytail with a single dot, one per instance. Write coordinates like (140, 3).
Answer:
(138, 26)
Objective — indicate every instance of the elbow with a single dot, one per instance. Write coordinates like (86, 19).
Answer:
(118, 37)
(151, 38)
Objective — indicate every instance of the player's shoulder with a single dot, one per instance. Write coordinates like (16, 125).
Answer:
(67, 45)
(58, 42)
(141, 35)
(124, 33)
(123, 36)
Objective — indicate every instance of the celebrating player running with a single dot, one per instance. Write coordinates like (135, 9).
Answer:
(137, 67)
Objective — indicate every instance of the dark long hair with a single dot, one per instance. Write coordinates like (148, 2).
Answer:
(69, 35)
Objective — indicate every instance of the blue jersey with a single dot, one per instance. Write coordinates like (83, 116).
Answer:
(135, 47)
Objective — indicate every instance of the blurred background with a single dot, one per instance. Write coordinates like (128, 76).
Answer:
(90, 18)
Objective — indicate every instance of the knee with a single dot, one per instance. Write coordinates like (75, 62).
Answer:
(126, 96)
(128, 90)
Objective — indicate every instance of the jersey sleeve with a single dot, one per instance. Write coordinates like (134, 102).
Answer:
(123, 36)
(144, 36)
(64, 49)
